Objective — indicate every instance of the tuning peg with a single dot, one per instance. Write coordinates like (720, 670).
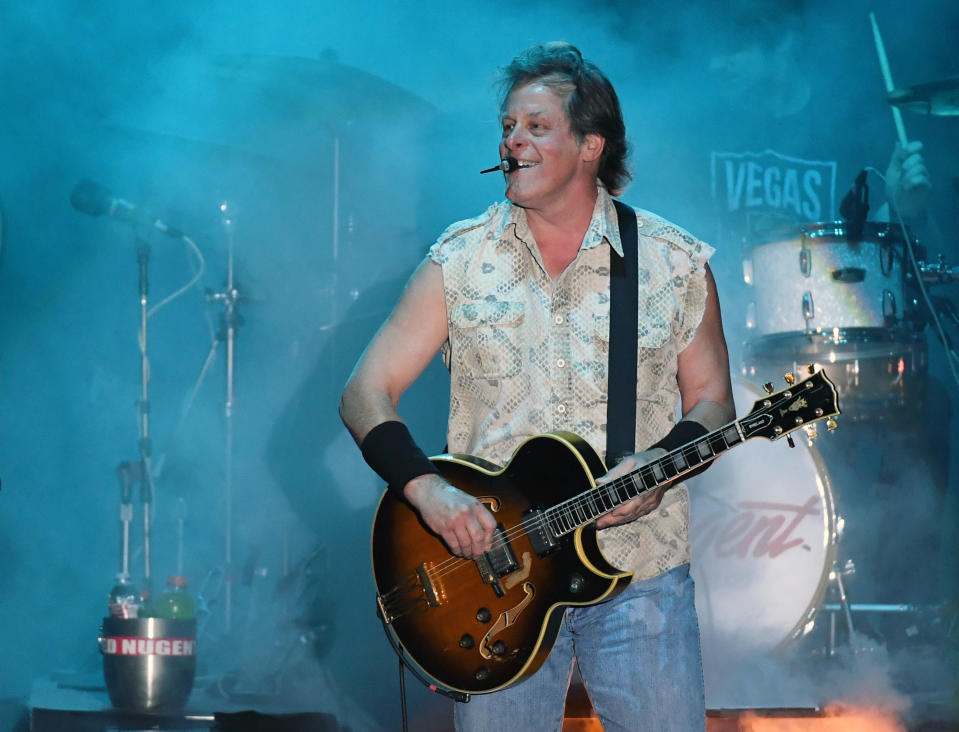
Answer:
(789, 440)
(810, 368)
(768, 386)
(811, 433)
(790, 379)
(831, 424)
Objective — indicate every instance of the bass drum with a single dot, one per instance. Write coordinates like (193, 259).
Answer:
(878, 373)
(763, 531)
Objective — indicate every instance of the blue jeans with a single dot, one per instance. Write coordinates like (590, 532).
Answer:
(639, 657)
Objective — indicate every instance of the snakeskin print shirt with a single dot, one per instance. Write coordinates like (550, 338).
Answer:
(528, 354)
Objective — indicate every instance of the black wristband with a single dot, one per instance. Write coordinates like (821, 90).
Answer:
(683, 432)
(389, 449)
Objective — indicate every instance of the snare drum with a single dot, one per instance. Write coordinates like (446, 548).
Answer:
(763, 532)
(812, 279)
(879, 374)
(843, 305)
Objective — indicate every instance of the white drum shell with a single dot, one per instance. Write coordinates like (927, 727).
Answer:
(800, 286)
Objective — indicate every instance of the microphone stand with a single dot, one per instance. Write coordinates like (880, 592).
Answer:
(229, 321)
(143, 414)
(126, 477)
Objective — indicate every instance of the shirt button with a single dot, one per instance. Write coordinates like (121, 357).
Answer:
(559, 319)
(560, 362)
(561, 409)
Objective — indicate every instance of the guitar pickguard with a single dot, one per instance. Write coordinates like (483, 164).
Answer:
(517, 577)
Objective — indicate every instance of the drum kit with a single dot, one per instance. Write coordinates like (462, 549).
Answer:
(768, 552)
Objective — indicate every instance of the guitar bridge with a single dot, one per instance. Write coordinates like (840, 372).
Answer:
(498, 561)
(417, 593)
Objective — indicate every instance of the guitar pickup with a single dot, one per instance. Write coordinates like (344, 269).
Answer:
(498, 561)
(539, 533)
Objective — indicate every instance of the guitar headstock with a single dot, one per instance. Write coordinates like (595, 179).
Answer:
(799, 405)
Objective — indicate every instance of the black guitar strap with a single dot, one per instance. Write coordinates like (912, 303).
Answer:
(623, 330)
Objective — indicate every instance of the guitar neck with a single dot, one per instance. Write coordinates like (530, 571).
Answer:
(579, 510)
(773, 416)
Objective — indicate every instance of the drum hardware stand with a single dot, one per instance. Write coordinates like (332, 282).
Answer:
(143, 472)
(126, 478)
(835, 577)
(847, 608)
(230, 320)
(180, 520)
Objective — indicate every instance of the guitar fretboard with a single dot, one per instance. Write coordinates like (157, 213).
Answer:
(566, 517)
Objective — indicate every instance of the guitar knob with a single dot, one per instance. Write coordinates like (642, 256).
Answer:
(790, 378)
(810, 368)
(482, 673)
(576, 581)
(768, 386)
(467, 641)
(484, 615)
(811, 433)
(499, 648)
(831, 424)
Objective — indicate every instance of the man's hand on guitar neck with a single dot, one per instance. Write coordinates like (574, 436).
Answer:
(639, 506)
(465, 524)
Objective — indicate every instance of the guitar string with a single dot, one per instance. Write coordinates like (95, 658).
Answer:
(600, 494)
(588, 500)
(584, 500)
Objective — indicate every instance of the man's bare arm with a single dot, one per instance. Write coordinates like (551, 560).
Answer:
(703, 369)
(707, 398)
(397, 355)
(399, 352)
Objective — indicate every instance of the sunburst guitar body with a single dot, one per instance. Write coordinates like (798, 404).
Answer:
(479, 625)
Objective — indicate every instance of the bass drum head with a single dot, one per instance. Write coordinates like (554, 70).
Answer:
(762, 526)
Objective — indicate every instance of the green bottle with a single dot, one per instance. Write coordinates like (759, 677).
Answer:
(175, 602)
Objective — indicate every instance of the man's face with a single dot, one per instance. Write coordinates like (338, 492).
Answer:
(536, 130)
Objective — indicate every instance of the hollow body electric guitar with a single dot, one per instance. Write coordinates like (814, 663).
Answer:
(479, 625)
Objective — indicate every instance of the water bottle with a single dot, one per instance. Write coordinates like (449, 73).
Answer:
(175, 603)
(124, 600)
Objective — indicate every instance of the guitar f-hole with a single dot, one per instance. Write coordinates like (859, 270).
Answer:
(506, 619)
(492, 503)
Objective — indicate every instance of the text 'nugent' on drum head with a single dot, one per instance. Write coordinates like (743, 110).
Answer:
(762, 527)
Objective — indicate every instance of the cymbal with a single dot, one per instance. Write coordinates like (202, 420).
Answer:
(936, 97)
(321, 89)
(274, 106)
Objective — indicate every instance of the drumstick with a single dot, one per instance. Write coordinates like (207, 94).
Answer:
(887, 76)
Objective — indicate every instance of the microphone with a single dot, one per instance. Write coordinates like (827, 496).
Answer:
(854, 207)
(94, 199)
(507, 165)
